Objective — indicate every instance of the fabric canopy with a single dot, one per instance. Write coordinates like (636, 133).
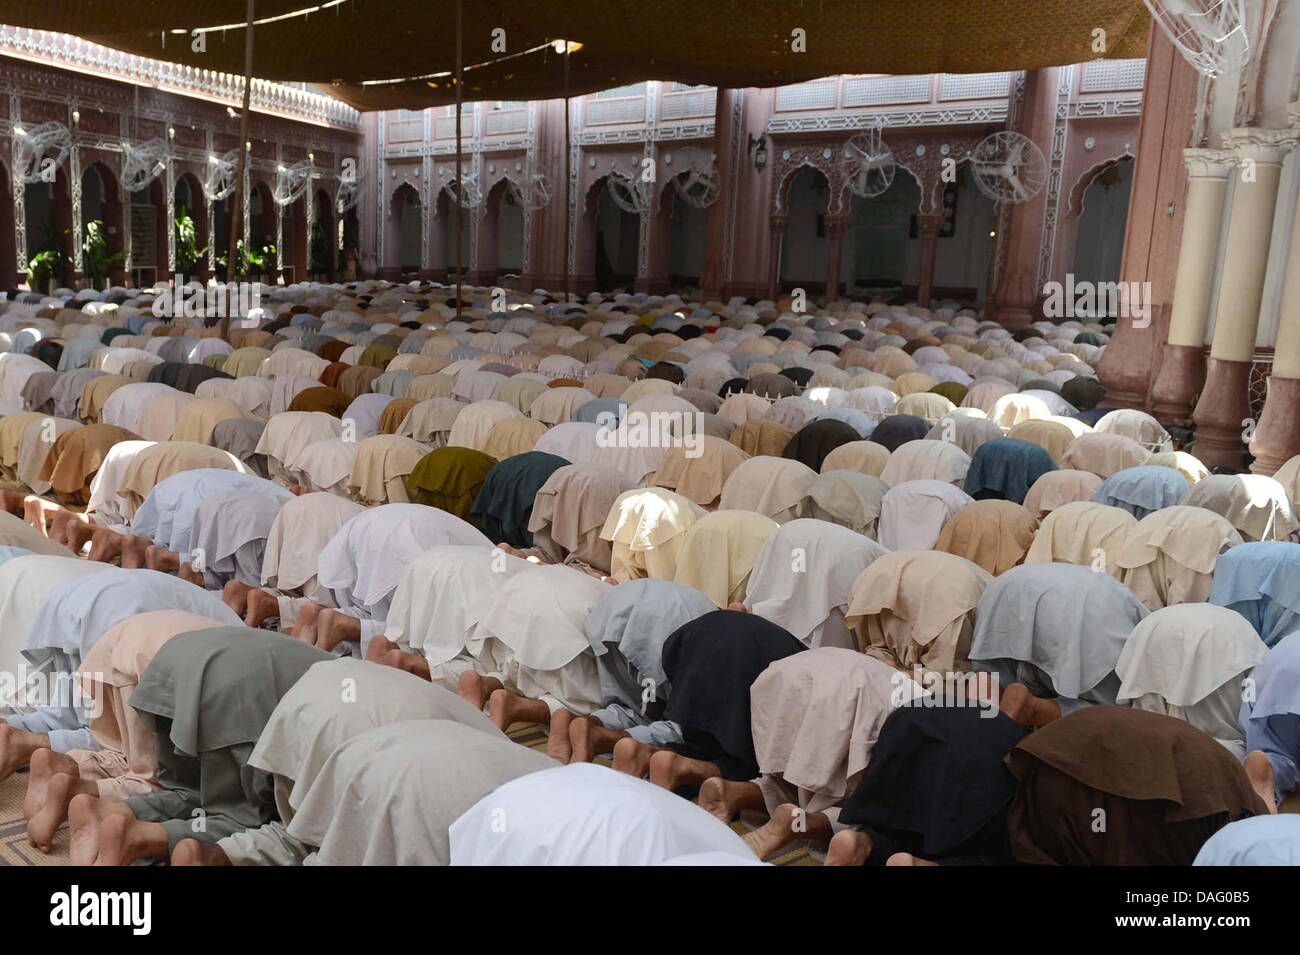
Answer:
(386, 54)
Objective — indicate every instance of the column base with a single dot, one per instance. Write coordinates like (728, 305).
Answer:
(1221, 413)
(1179, 383)
(1277, 438)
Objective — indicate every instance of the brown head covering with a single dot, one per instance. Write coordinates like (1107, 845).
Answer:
(76, 455)
(394, 414)
(333, 371)
(762, 437)
(1164, 787)
(329, 400)
(994, 534)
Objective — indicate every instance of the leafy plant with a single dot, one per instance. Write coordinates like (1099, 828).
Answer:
(94, 252)
(48, 265)
(188, 253)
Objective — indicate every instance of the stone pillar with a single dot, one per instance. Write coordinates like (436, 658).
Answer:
(1224, 407)
(835, 226)
(1154, 230)
(713, 279)
(929, 224)
(1277, 438)
(1182, 370)
(776, 229)
(1016, 296)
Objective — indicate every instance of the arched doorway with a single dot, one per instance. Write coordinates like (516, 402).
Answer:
(878, 244)
(805, 244)
(295, 239)
(618, 242)
(48, 210)
(688, 240)
(8, 234)
(501, 234)
(101, 213)
(405, 213)
(190, 230)
(1103, 220)
(262, 216)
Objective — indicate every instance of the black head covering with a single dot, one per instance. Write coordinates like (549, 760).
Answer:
(817, 439)
(778, 331)
(898, 429)
(799, 376)
(48, 351)
(771, 385)
(923, 755)
(667, 371)
(190, 377)
(1083, 392)
(733, 386)
(710, 664)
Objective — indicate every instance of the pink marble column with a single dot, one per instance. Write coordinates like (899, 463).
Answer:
(1014, 300)
(1223, 412)
(713, 279)
(835, 226)
(1182, 370)
(1155, 223)
(929, 224)
(776, 229)
(1277, 438)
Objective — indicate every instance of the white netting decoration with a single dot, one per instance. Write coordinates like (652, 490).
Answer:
(534, 195)
(349, 191)
(867, 163)
(700, 184)
(219, 182)
(629, 192)
(1008, 167)
(462, 189)
(291, 182)
(39, 151)
(142, 163)
(1210, 34)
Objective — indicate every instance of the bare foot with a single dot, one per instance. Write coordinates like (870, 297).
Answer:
(61, 524)
(906, 858)
(1026, 709)
(190, 575)
(1260, 772)
(726, 799)
(17, 747)
(557, 742)
(193, 852)
(37, 512)
(299, 490)
(334, 627)
(159, 558)
(848, 847)
(235, 596)
(134, 551)
(262, 606)
(738, 607)
(590, 739)
(105, 545)
(476, 689)
(633, 757)
(671, 770)
(78, 534)
(44, 763)
(86, 815)
(62, 788)
(506, 708)
(13, 502)
(304, 627)
(777, 832)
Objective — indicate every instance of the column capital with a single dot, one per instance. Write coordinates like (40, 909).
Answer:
(1268, 146)
(837, 220)
(1209, 163)
(929, 223)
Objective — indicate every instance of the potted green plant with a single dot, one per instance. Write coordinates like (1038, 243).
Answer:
(49, 266)
(94, 253)
(188, 253)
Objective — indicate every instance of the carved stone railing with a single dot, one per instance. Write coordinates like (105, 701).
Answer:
(279, 99)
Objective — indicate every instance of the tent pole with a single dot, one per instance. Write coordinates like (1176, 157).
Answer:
(460, 184)
(236, 212)
(568, 150)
